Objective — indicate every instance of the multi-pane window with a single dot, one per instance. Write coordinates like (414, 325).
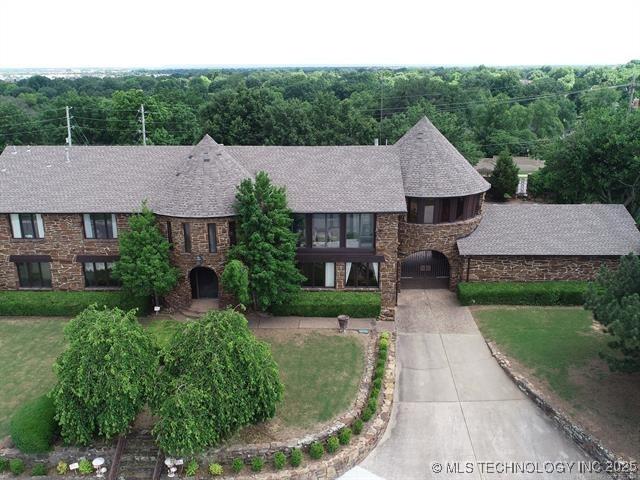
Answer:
(359, 230)
(442, 210)
(98, 274)
(34, 274)
(362, 274)
(27, 225)
(325, 230)
(186, 231)
(100, 225)
(300, 228)
(319, 274)
(213, 242)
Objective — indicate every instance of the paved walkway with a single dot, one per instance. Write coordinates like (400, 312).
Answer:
(455, 405)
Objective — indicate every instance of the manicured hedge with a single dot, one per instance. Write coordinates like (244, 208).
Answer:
(522, 293)
(33, 427)
(332, 304)
(61, 303)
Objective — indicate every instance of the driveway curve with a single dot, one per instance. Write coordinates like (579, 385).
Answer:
(456, 414)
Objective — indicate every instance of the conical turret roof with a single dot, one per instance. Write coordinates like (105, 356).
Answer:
(203, 184)
(433, 167)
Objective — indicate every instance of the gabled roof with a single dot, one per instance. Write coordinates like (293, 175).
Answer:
(203, 183)
(433, 167)
(537, 229)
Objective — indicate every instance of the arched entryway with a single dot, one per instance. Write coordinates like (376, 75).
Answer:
(425, 269)
(204, 283)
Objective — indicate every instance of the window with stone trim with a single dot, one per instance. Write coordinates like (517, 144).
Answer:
(99, 274)
(100, 226)
(34, 274)
(27, 225)
(213, 239)
(186, 232)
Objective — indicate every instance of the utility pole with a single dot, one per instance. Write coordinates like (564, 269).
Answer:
(632, 91)
(68, 126)
(144, 128)
(380, 121)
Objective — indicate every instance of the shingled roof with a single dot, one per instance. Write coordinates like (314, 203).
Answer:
(433, 167)
(200, 181)
(536, 229)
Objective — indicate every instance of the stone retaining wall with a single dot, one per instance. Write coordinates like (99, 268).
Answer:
(586, 442)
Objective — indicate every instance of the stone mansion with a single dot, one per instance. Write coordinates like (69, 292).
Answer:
(382, 218)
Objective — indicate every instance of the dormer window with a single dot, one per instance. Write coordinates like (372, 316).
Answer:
(27, 225)
(100, 225)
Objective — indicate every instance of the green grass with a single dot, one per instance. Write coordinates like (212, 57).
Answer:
(549, 341)
(321, 373)
(28, 348)
(162, 330)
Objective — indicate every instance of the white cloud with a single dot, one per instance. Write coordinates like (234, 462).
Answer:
(136, 33)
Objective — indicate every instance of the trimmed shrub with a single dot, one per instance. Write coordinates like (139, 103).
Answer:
(344, 436)
(522, 293)
(296, 457)
(379, 372)
(316, 450)
(367, 413)
(333, 444)
(33, 426)
(331, 304)
(62, 467)
(237, 465)
(39, 470)
(66, 304)
(279, 460)
(357, 426)
(215, 469)
(377, 383)
(257, 464)
(192, 468)
(16, 466)
(4, 464)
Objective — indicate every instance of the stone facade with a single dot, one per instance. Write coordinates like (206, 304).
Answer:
(441, 237)
(64, 241)
(199, 256)
(533, 268)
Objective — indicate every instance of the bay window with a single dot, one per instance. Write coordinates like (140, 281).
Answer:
(27, 225)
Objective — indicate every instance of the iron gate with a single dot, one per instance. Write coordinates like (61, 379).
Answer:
(425, 265)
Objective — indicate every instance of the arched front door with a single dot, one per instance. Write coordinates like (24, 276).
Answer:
(426, 269)
(204, 283)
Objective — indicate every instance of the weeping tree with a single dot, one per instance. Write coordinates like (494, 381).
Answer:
(615, 301)
(104, 376)
(144, 267)
(266, 243)
(216, 377)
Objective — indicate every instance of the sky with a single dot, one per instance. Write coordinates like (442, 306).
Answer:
(154, 34)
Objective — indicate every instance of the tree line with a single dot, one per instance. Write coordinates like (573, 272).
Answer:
(481, 110)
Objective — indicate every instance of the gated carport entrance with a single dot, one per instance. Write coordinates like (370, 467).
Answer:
(426, 269)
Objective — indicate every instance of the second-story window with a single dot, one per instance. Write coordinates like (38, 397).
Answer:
(186, 230)
(300, 228)
(100, 225)
(359, 230)
(27, 225)
(232, 233)
(213, 242)
(170, 235)
(325, 230)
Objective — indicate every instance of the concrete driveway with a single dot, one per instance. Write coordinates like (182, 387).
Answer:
(456, 410)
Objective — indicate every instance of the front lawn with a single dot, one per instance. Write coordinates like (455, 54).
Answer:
(28, 348)
(557, 348)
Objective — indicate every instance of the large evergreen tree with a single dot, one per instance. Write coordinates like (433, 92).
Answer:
(615, 302)
(504, 178)
(265, 242)
(144, 267)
